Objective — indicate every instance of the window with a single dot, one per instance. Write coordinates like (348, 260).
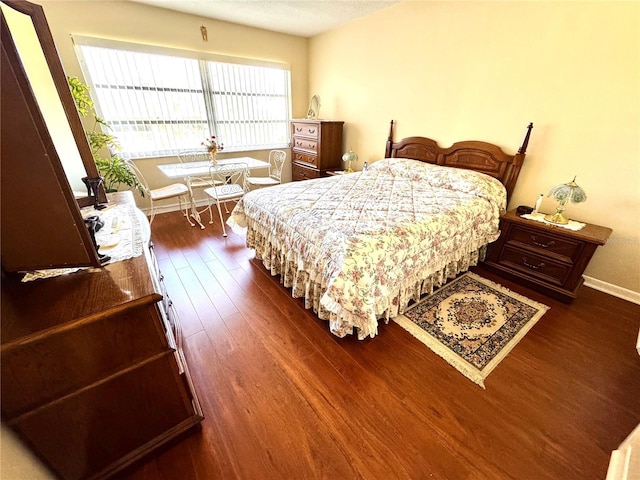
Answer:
(159, 105)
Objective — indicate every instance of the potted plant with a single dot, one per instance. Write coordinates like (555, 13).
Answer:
(113, 169)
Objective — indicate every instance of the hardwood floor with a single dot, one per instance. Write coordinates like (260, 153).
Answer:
(283, 398)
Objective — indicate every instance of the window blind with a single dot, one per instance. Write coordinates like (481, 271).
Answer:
(160, 105)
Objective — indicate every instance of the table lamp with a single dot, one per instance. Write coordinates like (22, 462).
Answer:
(349, 157)
(563, 193)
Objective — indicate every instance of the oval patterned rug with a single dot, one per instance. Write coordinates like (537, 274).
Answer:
(472, 323)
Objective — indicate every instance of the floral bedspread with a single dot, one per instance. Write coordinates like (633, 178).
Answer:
(358, 247)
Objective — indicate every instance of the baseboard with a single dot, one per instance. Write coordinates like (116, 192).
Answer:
(611, 289)
(172, 207)
(164, 208)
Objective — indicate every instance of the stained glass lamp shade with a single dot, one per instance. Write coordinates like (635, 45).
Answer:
(349, 157)
(564, 193)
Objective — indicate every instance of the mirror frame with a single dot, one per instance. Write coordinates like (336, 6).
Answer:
(45, 38)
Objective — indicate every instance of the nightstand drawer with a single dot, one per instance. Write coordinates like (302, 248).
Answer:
(305, 129)
(532, 265)
(300, 172)
(305, 158)
(546, 244)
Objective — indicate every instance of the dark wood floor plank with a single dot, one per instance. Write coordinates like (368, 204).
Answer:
(187, 313)
(286, 350)
(250, 393)
(376, 393)
(284, 398)
(197, 295)
(465, 413)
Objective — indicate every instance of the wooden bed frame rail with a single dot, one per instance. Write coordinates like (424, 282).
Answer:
(471, 154)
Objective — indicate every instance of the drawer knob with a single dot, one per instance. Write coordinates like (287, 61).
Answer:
(537, 243)
(526, 263)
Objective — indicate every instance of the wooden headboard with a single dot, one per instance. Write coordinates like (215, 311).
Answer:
(474, 155)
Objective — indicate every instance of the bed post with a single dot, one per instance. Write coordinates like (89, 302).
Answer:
(513, 170)
(525, 143)
(387, 150)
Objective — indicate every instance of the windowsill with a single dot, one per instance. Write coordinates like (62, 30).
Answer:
(222, 154)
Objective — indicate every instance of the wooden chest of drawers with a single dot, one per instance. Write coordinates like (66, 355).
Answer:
(316, 147)
(544, 255)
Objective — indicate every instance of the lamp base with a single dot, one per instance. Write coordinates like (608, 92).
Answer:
(556, 218)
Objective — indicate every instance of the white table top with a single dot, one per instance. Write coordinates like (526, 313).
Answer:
(188, 169)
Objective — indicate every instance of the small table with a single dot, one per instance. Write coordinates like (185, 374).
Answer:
(202, 169)
(545, 255)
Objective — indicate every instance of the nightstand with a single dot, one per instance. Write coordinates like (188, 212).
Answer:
(544, 255)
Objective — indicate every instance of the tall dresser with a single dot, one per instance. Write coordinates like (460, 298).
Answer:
(93, 373)
(316, 148)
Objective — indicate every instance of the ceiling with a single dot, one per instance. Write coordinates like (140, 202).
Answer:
(305, 18)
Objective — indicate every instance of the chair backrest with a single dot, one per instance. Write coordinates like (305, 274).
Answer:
(227, 177)
(276, 163)
(193, 156)
(141, 180)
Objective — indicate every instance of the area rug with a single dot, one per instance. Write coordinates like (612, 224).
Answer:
(472, 323)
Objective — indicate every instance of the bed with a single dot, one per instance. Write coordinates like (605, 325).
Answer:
(359, 247)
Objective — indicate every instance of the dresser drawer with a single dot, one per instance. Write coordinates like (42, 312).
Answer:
(157, 277)
(536, 266)
(305, 130)
(114, 343)
(300, 172)
(305, 158)
(96, 427)
(546, 244)
(305, 144)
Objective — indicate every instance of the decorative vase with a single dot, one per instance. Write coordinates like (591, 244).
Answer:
(214, 162)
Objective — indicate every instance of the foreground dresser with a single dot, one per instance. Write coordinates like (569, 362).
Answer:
(93, 373)
(316, 148)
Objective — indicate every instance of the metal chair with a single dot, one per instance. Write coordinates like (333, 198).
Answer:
(195, 182)
(230, 185)
(175, 190)
(276, 162)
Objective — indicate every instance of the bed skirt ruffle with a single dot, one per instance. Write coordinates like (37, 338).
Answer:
(310, 283)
